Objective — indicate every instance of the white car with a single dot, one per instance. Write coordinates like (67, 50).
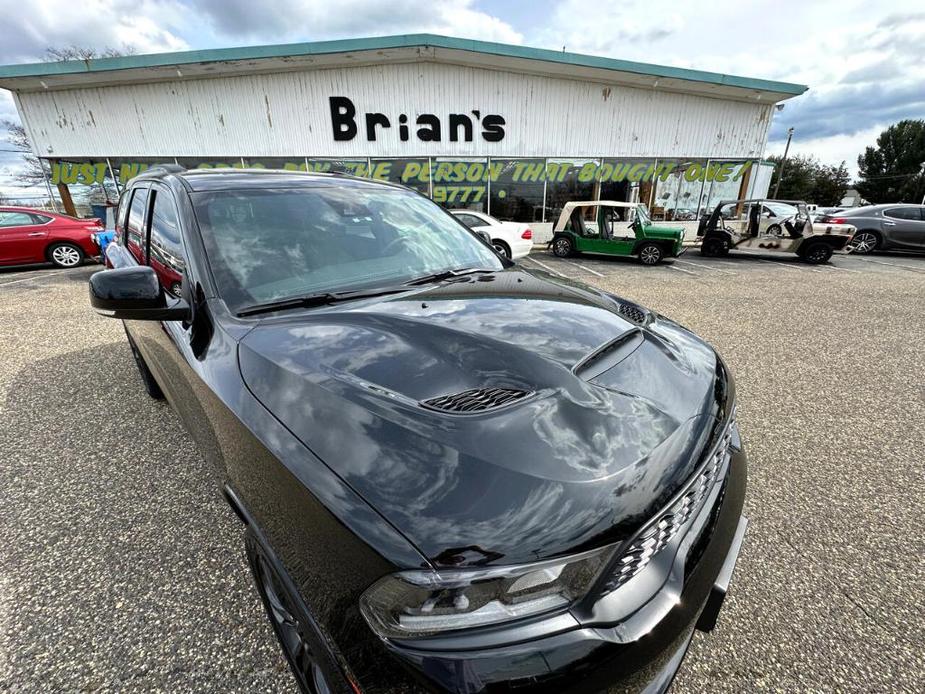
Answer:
(511, 239)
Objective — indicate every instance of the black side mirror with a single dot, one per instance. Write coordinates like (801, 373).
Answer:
(134, 293)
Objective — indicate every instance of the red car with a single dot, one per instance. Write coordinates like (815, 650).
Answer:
(37, 236)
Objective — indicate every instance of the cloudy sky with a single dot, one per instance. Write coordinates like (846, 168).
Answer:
(864, 63)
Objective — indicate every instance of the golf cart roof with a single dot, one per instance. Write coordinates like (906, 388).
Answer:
(747, 200)
(569, 206)
(604, 203)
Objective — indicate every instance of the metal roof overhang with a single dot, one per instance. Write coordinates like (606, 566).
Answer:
(225, 62)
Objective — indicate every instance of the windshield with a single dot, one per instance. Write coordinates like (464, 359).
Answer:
(272, 244)
(642, 214)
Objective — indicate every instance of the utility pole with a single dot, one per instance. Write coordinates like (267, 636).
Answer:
(783, 162)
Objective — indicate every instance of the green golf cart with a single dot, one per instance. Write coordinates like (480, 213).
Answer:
(614, 228)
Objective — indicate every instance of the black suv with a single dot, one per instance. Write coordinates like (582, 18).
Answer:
(454, 474)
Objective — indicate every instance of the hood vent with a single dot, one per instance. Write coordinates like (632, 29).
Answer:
(633, 313)
(476, 400)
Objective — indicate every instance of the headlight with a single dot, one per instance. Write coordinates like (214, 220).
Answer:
(413, 604)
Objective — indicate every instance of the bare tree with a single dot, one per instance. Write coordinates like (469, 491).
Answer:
(33, 173)
(58, 54)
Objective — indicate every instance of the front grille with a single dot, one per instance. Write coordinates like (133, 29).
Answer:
(662, 529)
(476, 400)
(632, 312)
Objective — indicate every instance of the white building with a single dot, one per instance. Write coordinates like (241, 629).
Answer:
(509, 130)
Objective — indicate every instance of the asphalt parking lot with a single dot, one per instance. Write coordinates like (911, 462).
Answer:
(123, 569)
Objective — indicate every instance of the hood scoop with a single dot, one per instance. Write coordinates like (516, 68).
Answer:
(476, 400)
(609, 355)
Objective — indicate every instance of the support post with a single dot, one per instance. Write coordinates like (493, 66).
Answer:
(66, 200)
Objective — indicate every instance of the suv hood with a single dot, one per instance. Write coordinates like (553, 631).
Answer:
(604, 439)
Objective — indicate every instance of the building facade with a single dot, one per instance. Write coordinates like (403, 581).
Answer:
(515, 132)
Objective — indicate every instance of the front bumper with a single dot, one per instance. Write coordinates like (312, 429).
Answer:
(640, 653)
(521, 248)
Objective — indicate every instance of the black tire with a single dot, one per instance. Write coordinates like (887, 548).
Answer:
(650, 253)
(816, 253)
(774, 230)
(865, 242)
(501, 248)
(715, 248)
(66, 255)
(563, 247)
(295, 631)
(147, 378)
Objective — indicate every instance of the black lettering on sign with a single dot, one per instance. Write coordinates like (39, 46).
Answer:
(458, 120)
(343, 118)
(430, 127)
(493, 128)
(372, 120)
(432, 132)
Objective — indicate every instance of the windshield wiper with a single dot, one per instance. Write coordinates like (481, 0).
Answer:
(445, 275)
(320, 299)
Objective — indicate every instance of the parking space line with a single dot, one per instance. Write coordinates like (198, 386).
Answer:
(585, 268)
(904, 267)
(681, 269)
(789, 267)
(33, 277)
(546, 267)
(840, 269)
(705, 267)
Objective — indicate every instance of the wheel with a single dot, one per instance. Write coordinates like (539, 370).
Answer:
(65, 254)
(563, 247)
(501, 248)
(296, 635)
(715, 248)
(775, 230)
(650, 254)
(865, 242)
(147, 378)
(817, 253)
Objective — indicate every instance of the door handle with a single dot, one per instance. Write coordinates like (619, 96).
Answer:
(36, 233)
(889, 224)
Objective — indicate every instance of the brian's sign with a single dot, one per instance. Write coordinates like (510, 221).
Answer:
(457, 127)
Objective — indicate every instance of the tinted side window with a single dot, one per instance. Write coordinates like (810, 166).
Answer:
(166, 251)
(40, 219)
(121, 213)
(904, 213)
(15, 219)
(135, 227)
(470, 221)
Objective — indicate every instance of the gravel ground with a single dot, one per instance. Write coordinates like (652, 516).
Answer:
(123, 569)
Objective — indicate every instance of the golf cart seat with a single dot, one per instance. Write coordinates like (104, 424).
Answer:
(578, 222)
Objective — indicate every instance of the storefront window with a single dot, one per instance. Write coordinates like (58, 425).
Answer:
(570, 180)
(517, 189)
(283, 163)
(678, 189)
(414, 173)
(216, 163)
(460, 183)
(627, 179)
(354, 167)
(725, 180)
